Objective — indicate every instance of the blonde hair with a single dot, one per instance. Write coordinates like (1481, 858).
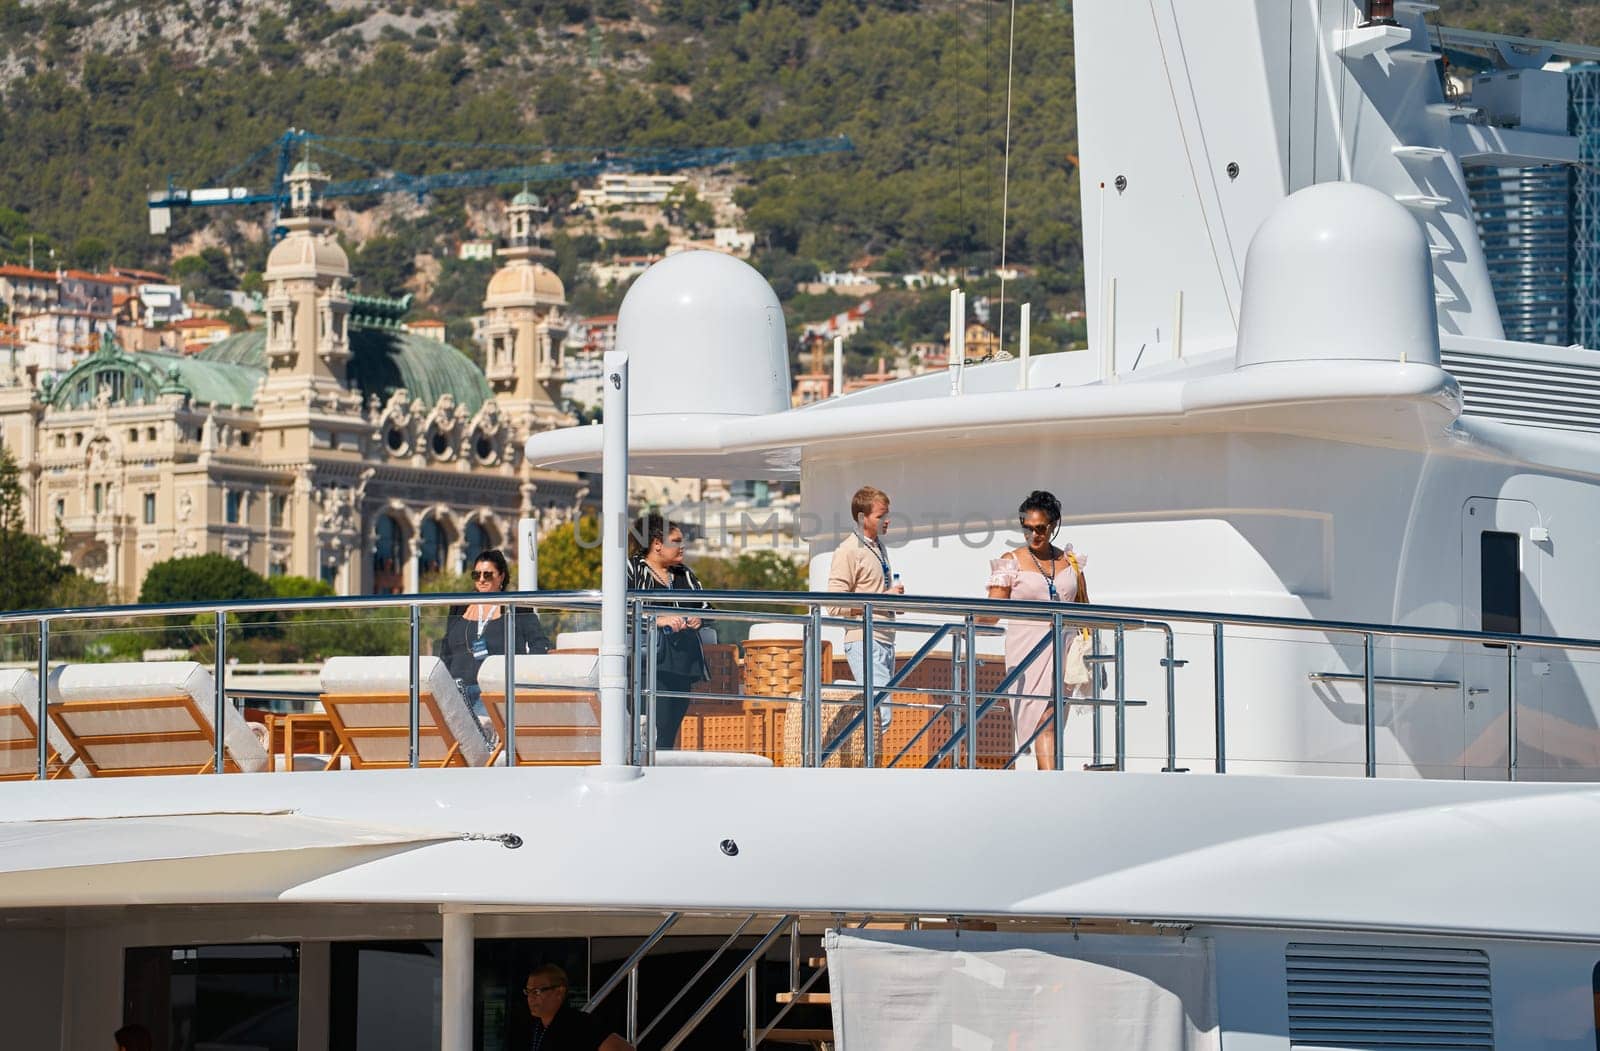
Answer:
(865, 499)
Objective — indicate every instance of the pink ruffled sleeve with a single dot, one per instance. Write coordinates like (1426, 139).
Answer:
(1002, 573)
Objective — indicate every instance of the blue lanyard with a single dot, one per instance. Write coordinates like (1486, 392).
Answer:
(877, 550)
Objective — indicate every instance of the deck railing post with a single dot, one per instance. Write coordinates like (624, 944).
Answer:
(1172, 703)
(1219, 696)
(1057, 697)
(220, 701)
(811, 709)
(1370, 700)
(44, 699)
(1511, 711)
(750, 1009)
(632, 1021)
(511, 685)
(636, 712)
(651, 653)
(1121, 682)
(414, 653)
(1097, 721)
(869, 711)
(972, 692)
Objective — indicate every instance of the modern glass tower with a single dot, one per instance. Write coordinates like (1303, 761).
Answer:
(1525, 219)
(1583, 91)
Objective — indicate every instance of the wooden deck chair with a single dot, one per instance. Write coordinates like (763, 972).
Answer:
(148, 717)
(368, 700)
(558, 707)
(19, 732)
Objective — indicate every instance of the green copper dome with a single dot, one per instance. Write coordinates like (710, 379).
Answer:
(382, 361)
(138, 378)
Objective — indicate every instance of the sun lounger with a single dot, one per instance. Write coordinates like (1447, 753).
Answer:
(558, 707)
(19, 732)
(148, 717)
(368, 700)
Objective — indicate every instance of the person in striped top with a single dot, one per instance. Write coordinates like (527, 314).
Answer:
(657, 563)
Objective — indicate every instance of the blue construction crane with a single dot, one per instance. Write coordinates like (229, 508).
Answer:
(286, 145)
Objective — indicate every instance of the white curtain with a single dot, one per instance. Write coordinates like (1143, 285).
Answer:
(983, 991)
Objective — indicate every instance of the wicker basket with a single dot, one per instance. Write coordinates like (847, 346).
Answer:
(776, 667)
(840, 704)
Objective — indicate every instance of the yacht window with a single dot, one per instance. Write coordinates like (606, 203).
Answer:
(385, 995)
(1500, 578)
(214, 996)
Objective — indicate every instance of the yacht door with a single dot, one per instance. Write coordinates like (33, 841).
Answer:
(1500, 569)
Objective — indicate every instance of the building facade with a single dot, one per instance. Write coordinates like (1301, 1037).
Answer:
(332, 444)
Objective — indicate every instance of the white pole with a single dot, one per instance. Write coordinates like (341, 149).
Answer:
(952, 354)
(961, 342)
(614, 563)
(527, 554)
(1177, 328)
(838, 365)
(1025, 338)
(1109, 328)
(456, 1022)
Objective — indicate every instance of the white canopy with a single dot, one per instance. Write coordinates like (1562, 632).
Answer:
(185, 857)
(981, 991)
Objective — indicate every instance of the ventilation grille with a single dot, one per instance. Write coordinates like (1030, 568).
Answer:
(1539, 393)
(1355, 997)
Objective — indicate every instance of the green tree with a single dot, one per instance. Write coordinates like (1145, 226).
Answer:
(202, 578)
(30, 569)
(569, 556)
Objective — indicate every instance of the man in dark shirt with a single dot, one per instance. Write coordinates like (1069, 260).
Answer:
(558, 1027)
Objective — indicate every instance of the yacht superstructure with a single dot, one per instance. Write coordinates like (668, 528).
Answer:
(1332, 787)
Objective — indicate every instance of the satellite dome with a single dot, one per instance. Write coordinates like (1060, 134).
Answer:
(705, 334)
(1339, 271)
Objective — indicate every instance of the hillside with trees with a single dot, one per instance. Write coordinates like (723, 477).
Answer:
(103, 102)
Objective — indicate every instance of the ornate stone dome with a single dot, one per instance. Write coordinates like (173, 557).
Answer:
(305, 255)
(525, 284)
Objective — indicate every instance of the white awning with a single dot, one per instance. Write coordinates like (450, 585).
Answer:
(982, 991)
(184, 857)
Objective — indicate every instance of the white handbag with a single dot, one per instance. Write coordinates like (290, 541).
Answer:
(1074, 669)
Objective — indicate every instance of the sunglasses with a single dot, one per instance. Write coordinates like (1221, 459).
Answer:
(1042, 527)
(492, 574)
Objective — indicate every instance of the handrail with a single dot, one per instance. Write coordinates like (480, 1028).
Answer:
(734, 978)
(631, 963)
(962, 613)
(710, 962)
(1385, 680)
(590, 600)
(895, 680)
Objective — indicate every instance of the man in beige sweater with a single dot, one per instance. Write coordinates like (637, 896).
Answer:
(861, 565)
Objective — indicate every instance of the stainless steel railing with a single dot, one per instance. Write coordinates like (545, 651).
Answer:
(962, 698)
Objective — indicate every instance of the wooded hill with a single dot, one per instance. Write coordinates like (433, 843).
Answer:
(102, 101)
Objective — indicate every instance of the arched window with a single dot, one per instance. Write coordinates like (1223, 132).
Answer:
(387, 555)
(475, 539)
(431, 552)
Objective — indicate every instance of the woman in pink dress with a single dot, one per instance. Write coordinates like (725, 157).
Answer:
(1039, 571)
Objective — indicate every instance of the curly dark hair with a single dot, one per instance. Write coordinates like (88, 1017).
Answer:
(646, 529)
(1039, 500)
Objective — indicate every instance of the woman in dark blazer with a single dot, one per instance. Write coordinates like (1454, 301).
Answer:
(474, 633)
(657, 562)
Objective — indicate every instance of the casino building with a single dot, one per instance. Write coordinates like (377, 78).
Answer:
(330, 444)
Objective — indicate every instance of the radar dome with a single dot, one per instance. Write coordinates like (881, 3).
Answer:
(1339, 271)
(704, 333)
